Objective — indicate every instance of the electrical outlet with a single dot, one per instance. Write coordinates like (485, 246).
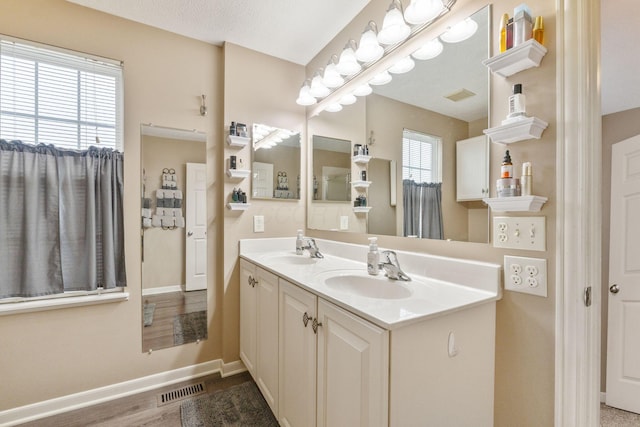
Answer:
(344, 222)
(258, 224)
(526, 233)
(527, 275)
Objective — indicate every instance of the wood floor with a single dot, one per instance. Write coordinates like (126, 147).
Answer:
(137, 410)
(160, 333)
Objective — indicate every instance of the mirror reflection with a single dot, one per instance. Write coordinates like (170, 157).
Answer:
(276, 163)
(174, 240)
(412, 126)
(331, 170)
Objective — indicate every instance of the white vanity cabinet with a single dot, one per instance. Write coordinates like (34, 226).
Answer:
(333, 365)
(259, 328)
(472, 169)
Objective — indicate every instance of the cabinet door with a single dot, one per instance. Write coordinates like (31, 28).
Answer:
(353, 370)
(472, 168)
(297, 357)
(267, 337)
(248, 312)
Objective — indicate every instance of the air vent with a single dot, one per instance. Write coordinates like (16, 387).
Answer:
(181, 393)
(460, 95)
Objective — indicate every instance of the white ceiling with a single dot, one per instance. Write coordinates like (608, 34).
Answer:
(296, 30)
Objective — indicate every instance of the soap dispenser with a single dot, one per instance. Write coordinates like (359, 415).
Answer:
(299, 243)
(373, 257)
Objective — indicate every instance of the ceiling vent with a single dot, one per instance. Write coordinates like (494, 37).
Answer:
(460, 95)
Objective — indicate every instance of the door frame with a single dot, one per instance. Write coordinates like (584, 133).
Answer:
(579, 211)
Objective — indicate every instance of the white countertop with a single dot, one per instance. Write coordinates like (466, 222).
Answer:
(439, 285)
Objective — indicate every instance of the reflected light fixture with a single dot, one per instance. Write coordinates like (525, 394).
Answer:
(348, 65)
(363, 90)
(318, 89)
(331, 77)
(404, 65)
(394, 29)
(304, 96)
(333, 108)
(422, 11)
(429, 50)
(348, 99)
(381, 79)
(460, 31)
(369, 49)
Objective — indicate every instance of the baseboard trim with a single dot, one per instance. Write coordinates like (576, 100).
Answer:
(47, 408)
(161, 290)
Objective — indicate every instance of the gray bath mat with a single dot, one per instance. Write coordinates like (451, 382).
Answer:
(238, 406)
(189, 327)
(147, 313)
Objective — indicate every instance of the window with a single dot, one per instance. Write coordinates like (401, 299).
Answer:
(421, 157)
(53, 96)
(61, 217)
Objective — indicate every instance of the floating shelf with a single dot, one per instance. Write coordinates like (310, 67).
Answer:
(531, 127)
(238, 173)
(238, 206)
(361, 209)
(361, 184)
(524, 56)
(516, 204)
(237, 141)
(361, 159)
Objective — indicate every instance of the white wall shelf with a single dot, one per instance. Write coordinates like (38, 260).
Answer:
(524, 56)
(237, 141)
(238, 206)
(528, 128)
(361, 209)
(516, 204)
(238, 173)
(361, 184)
(361, 159)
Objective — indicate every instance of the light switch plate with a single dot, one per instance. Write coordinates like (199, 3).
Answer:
(344, 222)
(526, 275)
(522, 232)
(258, 224)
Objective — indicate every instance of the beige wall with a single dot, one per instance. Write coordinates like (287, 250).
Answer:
(524, 389)
(55, 353)
(615, 128)
(257, 89)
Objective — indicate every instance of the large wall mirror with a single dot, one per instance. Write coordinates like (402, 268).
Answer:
(275, 167)
(411, 127)
(174, 237)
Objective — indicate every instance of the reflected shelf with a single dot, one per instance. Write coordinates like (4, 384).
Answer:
(361, 159)
(361, 209)
(237, 141)
(238, 173)
(361, 184)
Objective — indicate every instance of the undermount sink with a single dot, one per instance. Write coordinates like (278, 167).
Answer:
(291, 258)
(363, 285)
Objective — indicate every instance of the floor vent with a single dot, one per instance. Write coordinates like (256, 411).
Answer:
(181, 393)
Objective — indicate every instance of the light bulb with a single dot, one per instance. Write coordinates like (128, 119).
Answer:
(394, 29)
(429, 50)
(348, 99)
(333, 108)
(348, 65)
(422, 11)
(404, 65)
(318, 89)
(460, 31)
(363, 90)
(369, 49)
(331, 77)
(381, 79)
(304, 97)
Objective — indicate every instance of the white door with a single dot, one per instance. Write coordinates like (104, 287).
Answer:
(297, 392)
(248, 313)
(196, 227)
(267, 337)
(262, 180)
(353, 370)
(623, 350)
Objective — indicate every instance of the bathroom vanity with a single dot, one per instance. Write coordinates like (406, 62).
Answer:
(330, 345)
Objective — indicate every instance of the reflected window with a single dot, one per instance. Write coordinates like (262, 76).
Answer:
(421, 157)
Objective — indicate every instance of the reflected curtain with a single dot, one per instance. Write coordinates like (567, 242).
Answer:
(422, 205)
(61, 219)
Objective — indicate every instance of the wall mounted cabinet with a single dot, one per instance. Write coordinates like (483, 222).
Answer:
(472, 169)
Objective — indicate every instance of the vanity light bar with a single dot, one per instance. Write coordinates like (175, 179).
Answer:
(392, 54)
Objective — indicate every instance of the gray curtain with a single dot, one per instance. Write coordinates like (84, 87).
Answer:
(422, 205)
(61, 219)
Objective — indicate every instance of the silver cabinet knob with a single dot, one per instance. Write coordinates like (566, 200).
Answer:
(614, 289)
(190, 233)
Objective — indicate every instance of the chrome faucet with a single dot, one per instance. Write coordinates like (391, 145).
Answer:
(310, 245)
(391, 266)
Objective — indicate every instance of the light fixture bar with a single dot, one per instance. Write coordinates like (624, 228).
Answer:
(392, 54)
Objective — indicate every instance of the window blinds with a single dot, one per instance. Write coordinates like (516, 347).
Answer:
(420, 157)
(53, 96)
